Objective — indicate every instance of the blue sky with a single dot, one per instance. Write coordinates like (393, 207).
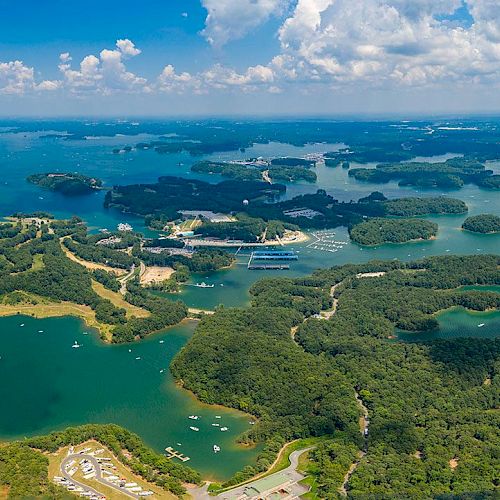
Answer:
(174, 57)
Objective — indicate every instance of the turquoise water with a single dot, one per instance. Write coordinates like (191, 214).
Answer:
(51, 386)
(54, 385)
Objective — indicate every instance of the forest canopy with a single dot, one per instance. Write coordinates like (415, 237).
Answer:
(483, 223)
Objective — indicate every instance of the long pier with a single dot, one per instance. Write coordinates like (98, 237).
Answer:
(256, 257)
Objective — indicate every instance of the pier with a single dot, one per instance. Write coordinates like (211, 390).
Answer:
(171, 453)
(256, 258)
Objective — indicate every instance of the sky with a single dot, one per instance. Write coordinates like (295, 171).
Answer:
(249, 57)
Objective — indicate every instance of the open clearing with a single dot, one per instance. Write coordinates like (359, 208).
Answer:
(155, 274)
(92, 265)
(117, 300)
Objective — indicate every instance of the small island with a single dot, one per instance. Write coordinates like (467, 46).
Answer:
(483, 223)
(377, 231)
(68, 184)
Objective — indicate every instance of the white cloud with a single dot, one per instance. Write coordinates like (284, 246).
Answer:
(15, 77)
(383, 41)
(233, 19)
(104, 74)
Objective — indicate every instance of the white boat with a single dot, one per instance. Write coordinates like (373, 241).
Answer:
(224, 429)
(194, 429)
(216, 448)
(194, 417)
(75, 345)
(216, 425)
(138, 357)
(161, 341)
(40, 331)
(21, 325)
(203, 285)
(218, 416)
(480, 325)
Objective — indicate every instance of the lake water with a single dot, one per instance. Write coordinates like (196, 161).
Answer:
(52, 385)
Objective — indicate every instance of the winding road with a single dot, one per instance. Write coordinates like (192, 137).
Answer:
(98, 475)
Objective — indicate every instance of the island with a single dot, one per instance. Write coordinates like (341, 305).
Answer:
(377, 231)
(68, 184)
(282, 169)
(452, 173)
(315, 352)
(483, 223)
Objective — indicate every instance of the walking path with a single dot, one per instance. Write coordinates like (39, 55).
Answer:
(364, 424)
(98, 475)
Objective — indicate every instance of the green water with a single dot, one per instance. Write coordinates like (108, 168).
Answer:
(459, 322)
(52, 385)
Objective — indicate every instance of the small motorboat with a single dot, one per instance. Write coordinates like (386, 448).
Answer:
(194, 429)
(224, 429)
(216, 448)
(138, 357)
(216, 425)
(218, 416)
(194, 417)
(480, 325)
(203, 285)
(75, 345)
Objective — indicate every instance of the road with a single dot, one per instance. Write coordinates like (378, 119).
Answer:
(98, 475)
(123, 280)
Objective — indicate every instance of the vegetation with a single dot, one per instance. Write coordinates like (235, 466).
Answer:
(484, 223)
(452, 173)
(376, 231)
(277, 171)
(428, 404)
(408, 207)
(35, 265)
(69, 184)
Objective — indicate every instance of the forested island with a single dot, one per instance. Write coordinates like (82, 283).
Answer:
(276, 170)
(377, 231)
(161, 203)
(298, 356)
(483, 223)
(68, 184)
(452, 173)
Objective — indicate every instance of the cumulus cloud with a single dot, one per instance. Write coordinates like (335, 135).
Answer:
(105, 73)
(16, 77)
(233, 19)
(375, 41)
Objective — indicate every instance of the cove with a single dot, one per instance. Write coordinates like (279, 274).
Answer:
(52, 386)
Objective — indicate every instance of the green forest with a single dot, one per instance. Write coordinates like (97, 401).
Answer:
(32, 261)
(430, 404)
(68, 184)
(483, 223)
(452, 173)
(376, 231)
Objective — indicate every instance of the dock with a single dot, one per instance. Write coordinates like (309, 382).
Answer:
(171, 453)
(267, 267)
(255, 262)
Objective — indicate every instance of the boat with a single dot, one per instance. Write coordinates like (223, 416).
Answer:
(161, 341)
(203, 285)
(224, 429)
(218, 416)
(75, 345)
(85, 333)
(480, 325)
(194, 429)
(194, 417)
(216, 448)
(216, 425)
(21, 325)
(40, 331)
(138, 357)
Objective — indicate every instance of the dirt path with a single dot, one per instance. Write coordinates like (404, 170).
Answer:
(364, 423)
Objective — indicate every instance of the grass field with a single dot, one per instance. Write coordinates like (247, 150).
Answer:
(44, 308)
(117, 300)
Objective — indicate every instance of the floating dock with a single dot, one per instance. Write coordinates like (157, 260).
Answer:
(279, 267)
(274, 255)
(171, 453)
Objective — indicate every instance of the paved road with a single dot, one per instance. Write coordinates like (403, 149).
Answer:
(98, 475)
